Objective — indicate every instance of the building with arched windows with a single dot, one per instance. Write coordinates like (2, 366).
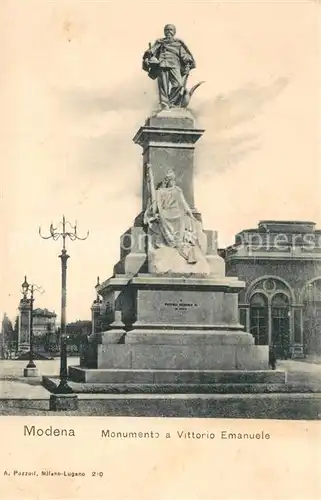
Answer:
(280, 262)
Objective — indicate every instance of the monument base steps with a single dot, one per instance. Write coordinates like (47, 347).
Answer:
(199, 377)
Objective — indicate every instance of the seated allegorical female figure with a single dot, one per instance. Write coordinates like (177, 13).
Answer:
(175, 236)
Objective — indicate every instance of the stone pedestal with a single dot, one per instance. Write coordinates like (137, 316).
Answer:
(168, 141)
(31, 372)
(63, 402)
(178, 323)
(171, 319)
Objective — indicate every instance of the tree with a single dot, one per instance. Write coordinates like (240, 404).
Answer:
(7, 333)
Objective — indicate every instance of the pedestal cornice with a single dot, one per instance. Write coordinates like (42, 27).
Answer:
(167, 137)
(157, 281)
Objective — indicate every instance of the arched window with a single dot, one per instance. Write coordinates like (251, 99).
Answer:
(259, 318)
(275, 318)
(280, 331)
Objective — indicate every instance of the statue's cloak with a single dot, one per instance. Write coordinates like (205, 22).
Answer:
(185, 57)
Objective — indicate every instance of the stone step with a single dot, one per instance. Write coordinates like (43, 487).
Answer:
(51, 383)
(182, 357)
(294, 406)
(144, 376)
(246, 406)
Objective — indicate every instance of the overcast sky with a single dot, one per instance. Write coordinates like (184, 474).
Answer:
(73, 96)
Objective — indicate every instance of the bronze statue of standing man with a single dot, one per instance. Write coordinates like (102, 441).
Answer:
(170, 61)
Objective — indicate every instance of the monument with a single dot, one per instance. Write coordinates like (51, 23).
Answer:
(172, 313)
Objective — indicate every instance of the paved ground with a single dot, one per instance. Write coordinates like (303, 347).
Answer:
(26, 396)
(14, 385)
(313, 359)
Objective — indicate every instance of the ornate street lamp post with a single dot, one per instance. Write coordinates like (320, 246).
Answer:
(63, 387)
(31, 368)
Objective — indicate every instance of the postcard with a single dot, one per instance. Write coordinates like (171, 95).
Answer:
(161, 251)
